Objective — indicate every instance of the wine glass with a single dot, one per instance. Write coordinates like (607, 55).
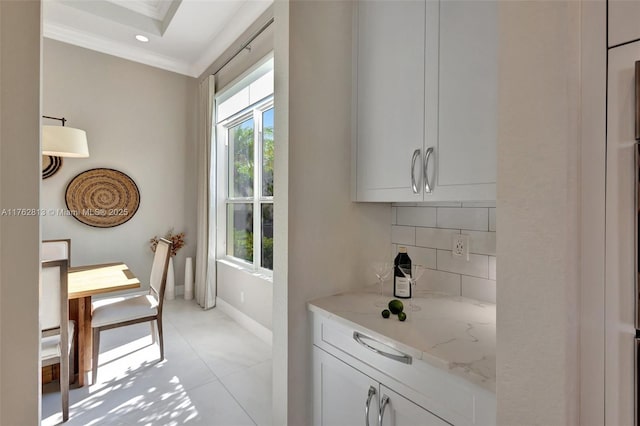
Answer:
(412, 273)
(382, 271)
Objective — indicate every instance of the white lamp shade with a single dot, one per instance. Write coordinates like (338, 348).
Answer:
(63, 141)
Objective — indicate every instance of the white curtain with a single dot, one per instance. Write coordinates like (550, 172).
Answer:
(205, 268)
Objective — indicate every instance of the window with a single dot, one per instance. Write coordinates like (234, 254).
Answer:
(246, 153)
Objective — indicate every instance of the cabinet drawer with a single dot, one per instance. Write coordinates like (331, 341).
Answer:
(450, 397)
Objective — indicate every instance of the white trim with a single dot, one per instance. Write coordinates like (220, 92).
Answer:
(264, 274)
(257, 329)
(89, 41)
(248, 13)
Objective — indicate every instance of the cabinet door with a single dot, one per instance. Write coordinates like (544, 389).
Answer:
(624, 21)
(465, 153)
(390, 99)
(620, 264)
(340, 393)
(399, 411)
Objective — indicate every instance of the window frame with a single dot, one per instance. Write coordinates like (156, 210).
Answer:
(254, 112)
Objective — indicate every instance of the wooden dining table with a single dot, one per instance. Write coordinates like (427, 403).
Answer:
(85, 282)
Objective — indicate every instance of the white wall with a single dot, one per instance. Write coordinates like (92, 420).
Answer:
(537, 198)
(139, 120)
(19, 188)
(323, 241)
(427, 232)
(249, 293)
(593, 178)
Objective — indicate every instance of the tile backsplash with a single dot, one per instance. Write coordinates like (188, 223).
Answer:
(427, 230)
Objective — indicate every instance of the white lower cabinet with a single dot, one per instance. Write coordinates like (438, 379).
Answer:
(345, 396)
(399, 411)
(350, 364)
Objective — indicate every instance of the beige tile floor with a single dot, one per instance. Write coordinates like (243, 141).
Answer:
(215, 373)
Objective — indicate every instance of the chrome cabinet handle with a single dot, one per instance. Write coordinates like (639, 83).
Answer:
(414, 185)
(638, 100)
(367, 405)
(383, 406)
(427, 185)
(404, 358)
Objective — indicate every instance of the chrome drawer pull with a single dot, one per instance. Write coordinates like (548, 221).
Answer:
(383, 406)
(427, 185)
(404, 358)
(367, 405)
(414, 185)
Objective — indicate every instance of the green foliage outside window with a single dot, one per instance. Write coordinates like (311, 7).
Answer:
(243, 172)
(243, 244)
(243, 159)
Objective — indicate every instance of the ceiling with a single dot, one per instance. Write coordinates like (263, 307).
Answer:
(185, 36)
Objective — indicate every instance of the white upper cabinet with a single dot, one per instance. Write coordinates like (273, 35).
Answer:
(468, 101)
(426, 100)
(624, 21)
(390, 98)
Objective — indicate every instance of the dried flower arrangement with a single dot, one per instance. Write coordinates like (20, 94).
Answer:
(177, 241)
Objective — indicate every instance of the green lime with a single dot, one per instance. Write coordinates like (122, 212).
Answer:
(386, 313)
(402, 316)
(396, 306)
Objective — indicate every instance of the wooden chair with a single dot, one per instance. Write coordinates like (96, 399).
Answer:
(118, 312)
(57, 330)
(56, 250)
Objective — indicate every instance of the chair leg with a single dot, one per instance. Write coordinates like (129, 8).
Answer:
(94, 360)
(64, 384)
(153, 332)
(159, 320)
(72, 359)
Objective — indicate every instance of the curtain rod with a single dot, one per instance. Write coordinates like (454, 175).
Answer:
(244, 45)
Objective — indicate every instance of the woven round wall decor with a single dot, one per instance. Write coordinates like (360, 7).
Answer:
(50, 165)
(103, 198)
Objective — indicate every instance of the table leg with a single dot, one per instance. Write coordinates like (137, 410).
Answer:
(75, 315)
(80, 312)
(88, 337)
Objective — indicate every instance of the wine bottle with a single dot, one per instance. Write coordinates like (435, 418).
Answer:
(401, 284)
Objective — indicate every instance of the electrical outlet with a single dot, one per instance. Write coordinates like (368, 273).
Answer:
(460, 246)
(242, 297)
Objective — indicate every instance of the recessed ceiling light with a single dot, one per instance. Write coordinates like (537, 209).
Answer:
(142, 38)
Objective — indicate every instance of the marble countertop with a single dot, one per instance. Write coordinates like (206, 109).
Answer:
(449, 332)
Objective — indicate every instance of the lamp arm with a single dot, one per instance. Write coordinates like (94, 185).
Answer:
(64, 120)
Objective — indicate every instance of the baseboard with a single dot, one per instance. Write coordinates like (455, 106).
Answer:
(257, 329)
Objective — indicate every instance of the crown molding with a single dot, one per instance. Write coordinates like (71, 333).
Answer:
(79, 38)
(244, 17)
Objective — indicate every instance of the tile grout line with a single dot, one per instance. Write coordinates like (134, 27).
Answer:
(219, 378)
(238, 402)
(197, 353)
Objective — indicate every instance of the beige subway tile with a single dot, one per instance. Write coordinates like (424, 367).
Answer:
(436, 237)
(479, 204)
(439, 282)
(474, 219)
(492, 267)
(476, 266)
(416, 216)
(492, 220)
(481, 242)
(403, 235)
(479, 289)
(422, 256)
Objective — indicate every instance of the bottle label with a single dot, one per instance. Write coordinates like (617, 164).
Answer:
(402, 287)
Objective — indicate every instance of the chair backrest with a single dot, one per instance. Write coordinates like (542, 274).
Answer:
(56, 250)
(54, 305)
(158, 278)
